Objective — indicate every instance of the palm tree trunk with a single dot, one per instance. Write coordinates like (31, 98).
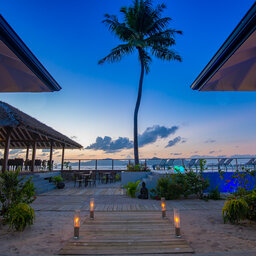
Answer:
(135, 129)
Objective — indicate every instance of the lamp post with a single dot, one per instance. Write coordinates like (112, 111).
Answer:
(76, 224)
(163, 205)
(92, 208)
(177, 222)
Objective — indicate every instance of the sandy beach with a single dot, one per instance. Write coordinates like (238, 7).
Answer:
(201, 222)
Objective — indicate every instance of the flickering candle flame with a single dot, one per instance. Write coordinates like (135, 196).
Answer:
(76, 222)
(92, 205)
(92, 210)
(177, 222)
(163, 208)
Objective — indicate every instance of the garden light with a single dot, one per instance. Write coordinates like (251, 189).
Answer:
(92, 208)
(76, 224)
(163, 205)
(177, 222)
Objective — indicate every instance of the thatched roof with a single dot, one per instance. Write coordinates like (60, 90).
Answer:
(26, 130)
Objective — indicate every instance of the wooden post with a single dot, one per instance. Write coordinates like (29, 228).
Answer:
(50, 164)
(96, 164)
(145, 163)
(79, 165)
(33, 157)
(27, 155)
(112, 164)
(62, 157)
(236, 165)
(6, 150)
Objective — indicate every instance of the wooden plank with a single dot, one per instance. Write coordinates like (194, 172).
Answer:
(126, 233)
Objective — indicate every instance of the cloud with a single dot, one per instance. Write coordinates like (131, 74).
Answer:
(207, 156)
(210, 141)
(173, 142)
(211, 152)
(108, 145)
(149, 136)
(176, 154)
(16, 151)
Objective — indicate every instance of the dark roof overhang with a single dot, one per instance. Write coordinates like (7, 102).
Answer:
(17, 47)
(245, 31)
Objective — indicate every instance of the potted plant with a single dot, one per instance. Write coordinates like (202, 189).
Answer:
(58, 181)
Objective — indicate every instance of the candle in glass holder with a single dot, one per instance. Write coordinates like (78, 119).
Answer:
(76, 224)
(163, 206)
(92, 208)
(177, 222)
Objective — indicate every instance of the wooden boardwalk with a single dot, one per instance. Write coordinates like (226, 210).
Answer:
(126, 233)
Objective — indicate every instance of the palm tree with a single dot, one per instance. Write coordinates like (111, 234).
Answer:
(143, 30)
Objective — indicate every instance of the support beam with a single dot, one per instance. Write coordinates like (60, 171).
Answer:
(51, 150)
(27, 155)
(6, 150)
(62, 157)
(33, 157)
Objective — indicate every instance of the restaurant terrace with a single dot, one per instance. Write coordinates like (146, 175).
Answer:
(21, 131)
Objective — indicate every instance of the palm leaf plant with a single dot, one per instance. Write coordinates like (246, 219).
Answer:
(145, 31)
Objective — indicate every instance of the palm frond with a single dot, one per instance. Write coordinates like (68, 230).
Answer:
(164, 53)
(164, 38)
(119, 29)
(117, 53)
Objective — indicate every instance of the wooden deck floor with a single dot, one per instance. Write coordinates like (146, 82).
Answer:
(126, 233)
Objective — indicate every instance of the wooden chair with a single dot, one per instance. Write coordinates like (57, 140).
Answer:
(78, 178)
(92, 179)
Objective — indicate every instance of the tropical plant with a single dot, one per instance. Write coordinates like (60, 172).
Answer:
(251, 201)
(214, 193)
(137, 168)
(132, 188)
(14, 190)
(234, 210)
(143, 30)
(167, 187)
(118, 177)
(19, 216)
(57, 179)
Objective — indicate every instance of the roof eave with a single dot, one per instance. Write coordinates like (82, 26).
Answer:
(242, 31)
(14, 42)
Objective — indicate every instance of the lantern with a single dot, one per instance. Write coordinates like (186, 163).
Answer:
(177, 222)
(76, 224)
(92, 208)
(163, 206)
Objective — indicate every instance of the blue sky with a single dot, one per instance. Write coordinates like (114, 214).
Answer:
(69, 38)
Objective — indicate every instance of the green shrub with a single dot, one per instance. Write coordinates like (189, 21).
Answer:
(13, 190)
(235, 210)
(168, 188)
(57, 179)
(118, 177)
(137, 168)
(214, 194)
(251, 201)
(19, 216)
(172, 186)
(132, 188)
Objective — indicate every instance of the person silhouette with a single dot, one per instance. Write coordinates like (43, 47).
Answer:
(143, 192)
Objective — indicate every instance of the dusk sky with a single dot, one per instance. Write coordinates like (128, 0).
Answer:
(68, 37)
